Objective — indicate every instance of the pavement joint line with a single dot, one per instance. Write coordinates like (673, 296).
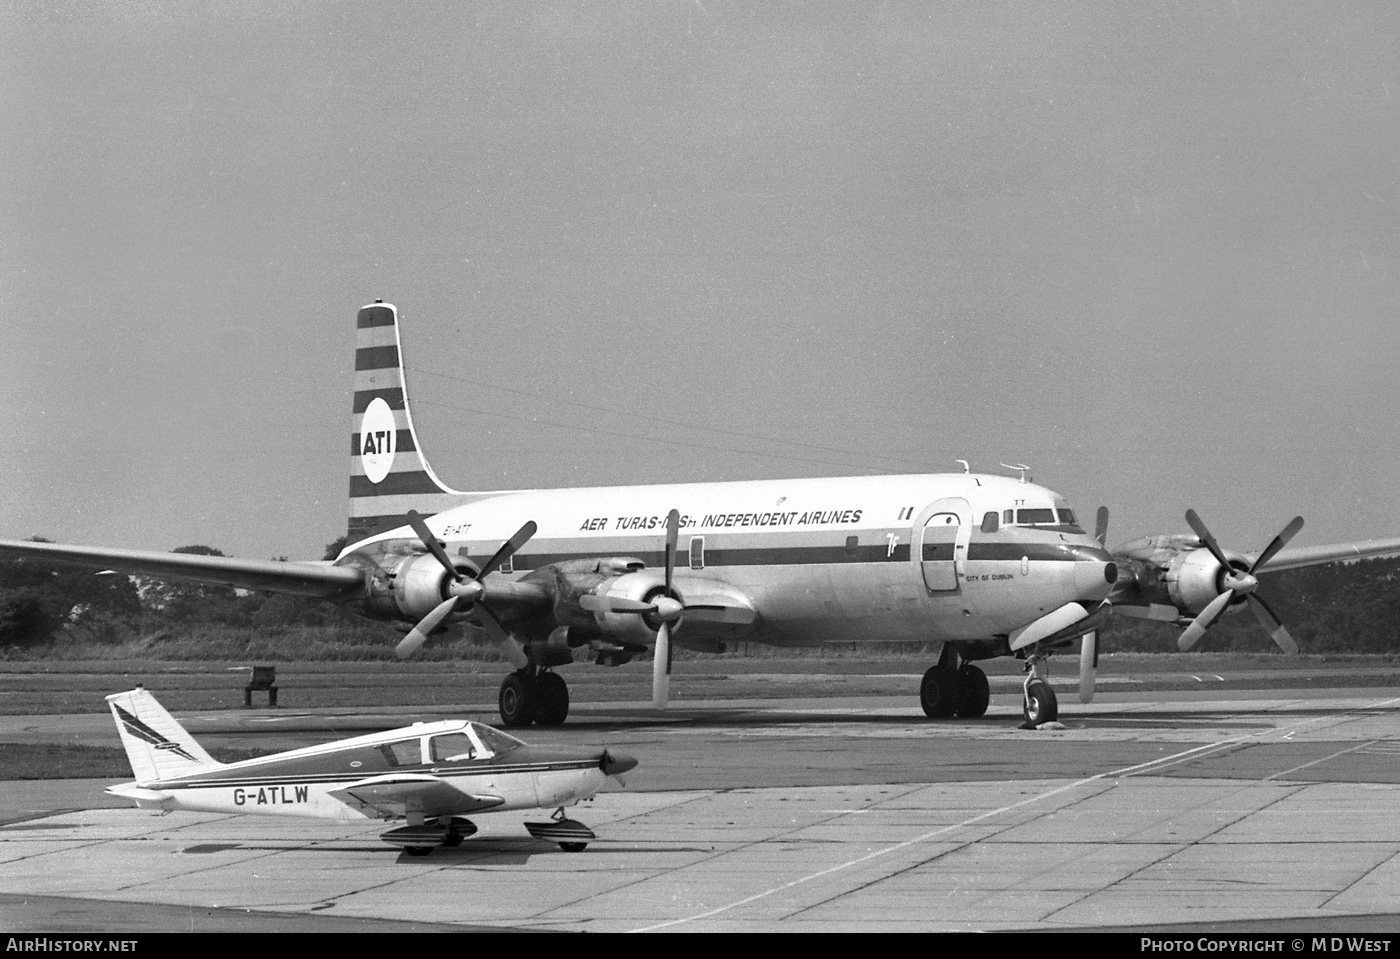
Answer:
(1126, 771)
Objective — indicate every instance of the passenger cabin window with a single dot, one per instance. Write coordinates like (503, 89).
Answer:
(989, 523)
(852, 547)
(451, 747)
(697, 552)
(405, 752)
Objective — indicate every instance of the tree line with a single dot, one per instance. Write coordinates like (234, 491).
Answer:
(1341, 607)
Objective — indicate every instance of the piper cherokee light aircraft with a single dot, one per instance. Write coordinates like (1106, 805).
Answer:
(989, 565)
(431, 774)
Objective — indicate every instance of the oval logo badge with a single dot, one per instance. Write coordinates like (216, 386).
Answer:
(378, 438)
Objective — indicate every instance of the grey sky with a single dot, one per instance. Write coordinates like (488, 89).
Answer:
(1149, 249)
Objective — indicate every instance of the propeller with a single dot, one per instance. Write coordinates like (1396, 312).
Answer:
(1088, 664)
(464, 590)
(1240, 584)
(663, 608)
(661, 665)
(1101, 526)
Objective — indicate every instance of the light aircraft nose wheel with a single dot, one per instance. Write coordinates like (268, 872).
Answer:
(519, 699)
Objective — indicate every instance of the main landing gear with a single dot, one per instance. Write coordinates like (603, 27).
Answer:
(533, 695)
(952, 688)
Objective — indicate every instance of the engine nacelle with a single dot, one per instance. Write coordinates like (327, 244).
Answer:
(1193, 579)
(409, 587)
(630, 628)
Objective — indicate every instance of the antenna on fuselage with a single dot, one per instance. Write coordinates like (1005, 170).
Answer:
(1022, 467)
(966, 467)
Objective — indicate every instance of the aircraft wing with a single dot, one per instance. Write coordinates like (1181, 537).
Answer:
(321, 580)
(1297, 556)
(400, 795)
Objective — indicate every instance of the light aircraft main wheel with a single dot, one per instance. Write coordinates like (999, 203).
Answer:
(553, 698)
(938, 693)
(518, 700)
(573, 846)
(453, 839)
(1040, 705)
(976, 694)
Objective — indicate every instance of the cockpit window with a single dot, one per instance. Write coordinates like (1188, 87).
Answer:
(1035, 517)
(495, 740)
(1067, 516)
(989, 523)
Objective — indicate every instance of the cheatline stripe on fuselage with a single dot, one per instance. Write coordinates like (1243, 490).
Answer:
(211, 778)
(876, 553)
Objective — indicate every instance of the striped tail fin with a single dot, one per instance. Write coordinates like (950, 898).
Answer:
(388, 473)
(156, 745)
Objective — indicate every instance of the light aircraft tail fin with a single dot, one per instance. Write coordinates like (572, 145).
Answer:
(388, 473)
(157, 746)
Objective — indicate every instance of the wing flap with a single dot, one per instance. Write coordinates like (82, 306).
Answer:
(402, 795)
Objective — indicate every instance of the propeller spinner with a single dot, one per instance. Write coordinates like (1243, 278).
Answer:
(463, 590)
(1238, 584)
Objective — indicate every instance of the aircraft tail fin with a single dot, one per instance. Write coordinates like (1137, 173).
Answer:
(388, 473)
(157, 746)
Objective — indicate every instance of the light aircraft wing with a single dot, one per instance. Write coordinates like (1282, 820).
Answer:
(401, 795)
(1299, 556)
(321, 580)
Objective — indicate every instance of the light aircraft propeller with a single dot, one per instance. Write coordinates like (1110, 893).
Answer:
(1239, 584)
(464, 590)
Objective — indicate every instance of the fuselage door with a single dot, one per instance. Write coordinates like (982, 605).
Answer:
(942, 539)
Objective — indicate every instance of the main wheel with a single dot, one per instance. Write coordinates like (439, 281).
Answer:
(1040, 705)
(938, 693)
(573, 846)
(976, 694)
(553, 699)
(417, 850)
(519, 700)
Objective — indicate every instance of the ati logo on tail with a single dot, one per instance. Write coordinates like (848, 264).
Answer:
(148, 735)
(378, 440)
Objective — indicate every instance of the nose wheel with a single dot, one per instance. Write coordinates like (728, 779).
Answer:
(1038, 703)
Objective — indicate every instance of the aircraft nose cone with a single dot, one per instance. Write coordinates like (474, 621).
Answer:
(615, 764)
(1094, 577)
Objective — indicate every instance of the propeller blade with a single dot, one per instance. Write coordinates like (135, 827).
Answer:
(1270, 622)
(673, 531)
(508, 548)
(1101, 526)
(429, 540)
(1279, 542)
(1200, 530)
(418, 635)
(661, 668)
(1088, 665)
(504, 641)
(1201, 623)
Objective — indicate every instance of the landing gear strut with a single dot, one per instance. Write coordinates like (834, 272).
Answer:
(954, 688)
(532, 695)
